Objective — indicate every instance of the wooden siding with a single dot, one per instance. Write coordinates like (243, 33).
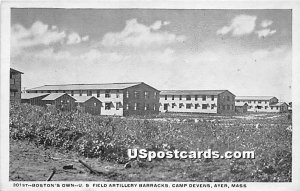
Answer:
(64, 103)
(92, 106)
(15, 87)
(226, 102)
(141, 105)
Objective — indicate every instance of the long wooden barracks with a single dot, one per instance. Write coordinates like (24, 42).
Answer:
(197, 101)
(120, 99)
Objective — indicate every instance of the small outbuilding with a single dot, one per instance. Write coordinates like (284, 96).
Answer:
(241, 107)
(279, 107)
(61, 101)
(33, 98)
(88, 104)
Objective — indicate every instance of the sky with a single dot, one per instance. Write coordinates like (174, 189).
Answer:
(248, 52)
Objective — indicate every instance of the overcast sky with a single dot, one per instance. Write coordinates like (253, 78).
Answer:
(245, 51)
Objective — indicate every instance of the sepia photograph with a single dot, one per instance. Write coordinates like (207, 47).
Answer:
(149, 98)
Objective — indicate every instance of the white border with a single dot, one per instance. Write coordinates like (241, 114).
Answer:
(164, 4)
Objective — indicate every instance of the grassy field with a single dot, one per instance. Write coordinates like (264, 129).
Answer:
(41, 139)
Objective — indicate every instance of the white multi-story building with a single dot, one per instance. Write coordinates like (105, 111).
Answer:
(261, 103)
(197, 101)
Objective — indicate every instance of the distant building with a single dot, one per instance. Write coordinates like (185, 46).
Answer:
(119, 99)
(88, 104)
(241, 107)
(33, 98)
(15, 86)
(279, 107)
(290, 106)
(197, 101)
(61, 101)
(258, 103)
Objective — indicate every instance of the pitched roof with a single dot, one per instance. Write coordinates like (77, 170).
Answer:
(191, 92)
(15, 71)
(53, 96)
(254, 97)
(32, 95)
(106, 86)
(82, 99)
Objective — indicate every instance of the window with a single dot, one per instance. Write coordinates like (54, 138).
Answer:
(196, 106)
(62, 91)
(154, 106)
(107, 93)
(173, 105)
(147, 106)
(166, 106)
(117, 94)
(180, 97)
(180, 105)
(228, 107)
(250, 107)
(138, 106)
(228, 98)
(204, 98)
(188, 106)
(196, 97)
(166, 97)
(89, 92)
(107, 106)
(266, 107)
(155, 95)
(237, 100)
(271, 107)
(277, 107)
(50, 92)
(249, 101)
(259, 101)
(212, 98)
(212, 106)
(204, 106)
(146, 95)
(266, 102)
(80, 92)
(127, 94)
(72, 93)
(188, 97)
(12, 81)
(137, 94)
(223, 107)
(173, 97)
(98, 93)
(118, 105)
(12, 94)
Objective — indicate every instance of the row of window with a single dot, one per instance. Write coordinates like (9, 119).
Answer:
(254, 101)
(139, 95)
(135, 106)
(189, 97)
(203, 106)
(189, 106)
(139, 106)
(260, 107)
